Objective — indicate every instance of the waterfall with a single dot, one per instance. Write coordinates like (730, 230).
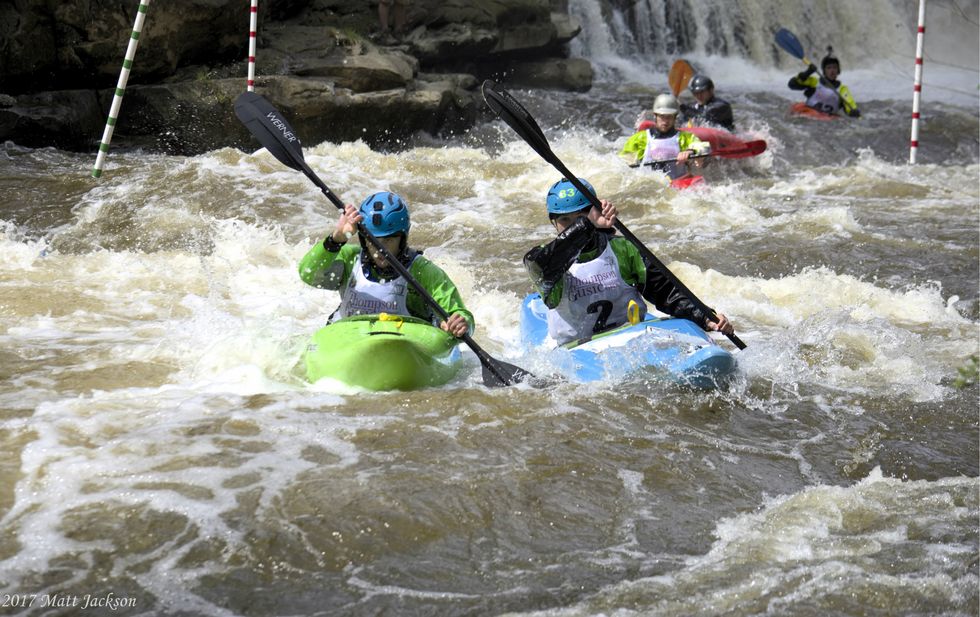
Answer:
(620, 33)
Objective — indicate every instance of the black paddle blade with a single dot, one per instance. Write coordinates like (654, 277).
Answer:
(267, 125)
(497, 374)
(513, 113)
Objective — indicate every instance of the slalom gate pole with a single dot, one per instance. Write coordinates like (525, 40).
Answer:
(917, 87)
(253, 27)
(110, 125)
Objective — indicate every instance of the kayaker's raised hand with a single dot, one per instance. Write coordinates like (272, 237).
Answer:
(347, 224)
(606, 218)
(455, 325)
(722, 325)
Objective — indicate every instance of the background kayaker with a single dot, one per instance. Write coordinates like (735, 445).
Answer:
(369, 286)
(825, 94)
(709, 109)
(663, 142)
(588, 276)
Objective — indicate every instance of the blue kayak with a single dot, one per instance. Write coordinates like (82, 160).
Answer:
(677, 348)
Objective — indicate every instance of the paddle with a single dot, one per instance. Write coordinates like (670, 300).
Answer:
(513, 113)
(749, 148)
(268, 126)
(788, 41)
(679, 76)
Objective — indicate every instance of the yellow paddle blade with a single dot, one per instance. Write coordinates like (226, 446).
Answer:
(679, 76)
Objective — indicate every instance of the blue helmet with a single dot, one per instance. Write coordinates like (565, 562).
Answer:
(385, 214)
(563, 197)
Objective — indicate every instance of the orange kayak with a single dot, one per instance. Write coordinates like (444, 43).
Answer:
(801, 109)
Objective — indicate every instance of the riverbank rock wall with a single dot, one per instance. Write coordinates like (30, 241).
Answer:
(324, 62)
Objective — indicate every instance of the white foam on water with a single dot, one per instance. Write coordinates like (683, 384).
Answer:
(191, 451)
(813, 545)
(16, 251)
(852, 334)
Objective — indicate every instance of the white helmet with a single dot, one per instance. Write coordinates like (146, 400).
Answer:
(666, 104)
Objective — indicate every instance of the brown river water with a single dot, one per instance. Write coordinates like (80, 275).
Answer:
(161, 453)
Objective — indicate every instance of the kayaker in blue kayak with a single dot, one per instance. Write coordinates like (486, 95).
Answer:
(663, 142)
(588, 277)
(709, 109)
(825, 94)
(371, 285)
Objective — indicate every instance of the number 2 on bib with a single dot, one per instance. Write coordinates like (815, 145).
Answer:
(604, 308)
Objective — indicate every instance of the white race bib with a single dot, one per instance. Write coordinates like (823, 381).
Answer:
(595, 298)
(824, 99)
(665, 148)
(363, 296)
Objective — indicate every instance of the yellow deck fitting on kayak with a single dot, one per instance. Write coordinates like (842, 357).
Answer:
(633, 312)
(397, 319)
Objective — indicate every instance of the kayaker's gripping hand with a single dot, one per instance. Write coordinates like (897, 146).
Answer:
(722, 325)
(683, 155)
(347, 224)
(810, 70)
(455, 325)
(854, 113)
(605, 218)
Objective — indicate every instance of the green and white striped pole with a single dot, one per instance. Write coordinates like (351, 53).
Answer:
(110, 125)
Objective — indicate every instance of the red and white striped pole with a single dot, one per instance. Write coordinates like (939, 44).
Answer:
(917, 88)
(253, 26)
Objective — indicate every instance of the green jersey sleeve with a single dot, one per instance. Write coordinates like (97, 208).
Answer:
(690, 141)
(631, 266)
(442, 289)
(635, 147)
(327, 270)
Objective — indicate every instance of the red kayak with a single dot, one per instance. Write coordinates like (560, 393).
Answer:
(720, 139)
(686, 181)
(801, 109)
(723, 144)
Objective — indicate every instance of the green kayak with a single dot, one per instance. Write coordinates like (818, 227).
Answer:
(382, 352)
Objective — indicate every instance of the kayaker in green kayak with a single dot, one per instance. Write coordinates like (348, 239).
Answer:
(825, 94)
(369, 286)
(663, 142)
(589, 277)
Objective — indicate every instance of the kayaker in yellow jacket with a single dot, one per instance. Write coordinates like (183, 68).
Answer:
(371, 285)
(825, 94)
(663, 142)
(588, 276)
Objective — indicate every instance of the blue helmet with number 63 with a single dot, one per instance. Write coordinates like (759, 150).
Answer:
(563, 197)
